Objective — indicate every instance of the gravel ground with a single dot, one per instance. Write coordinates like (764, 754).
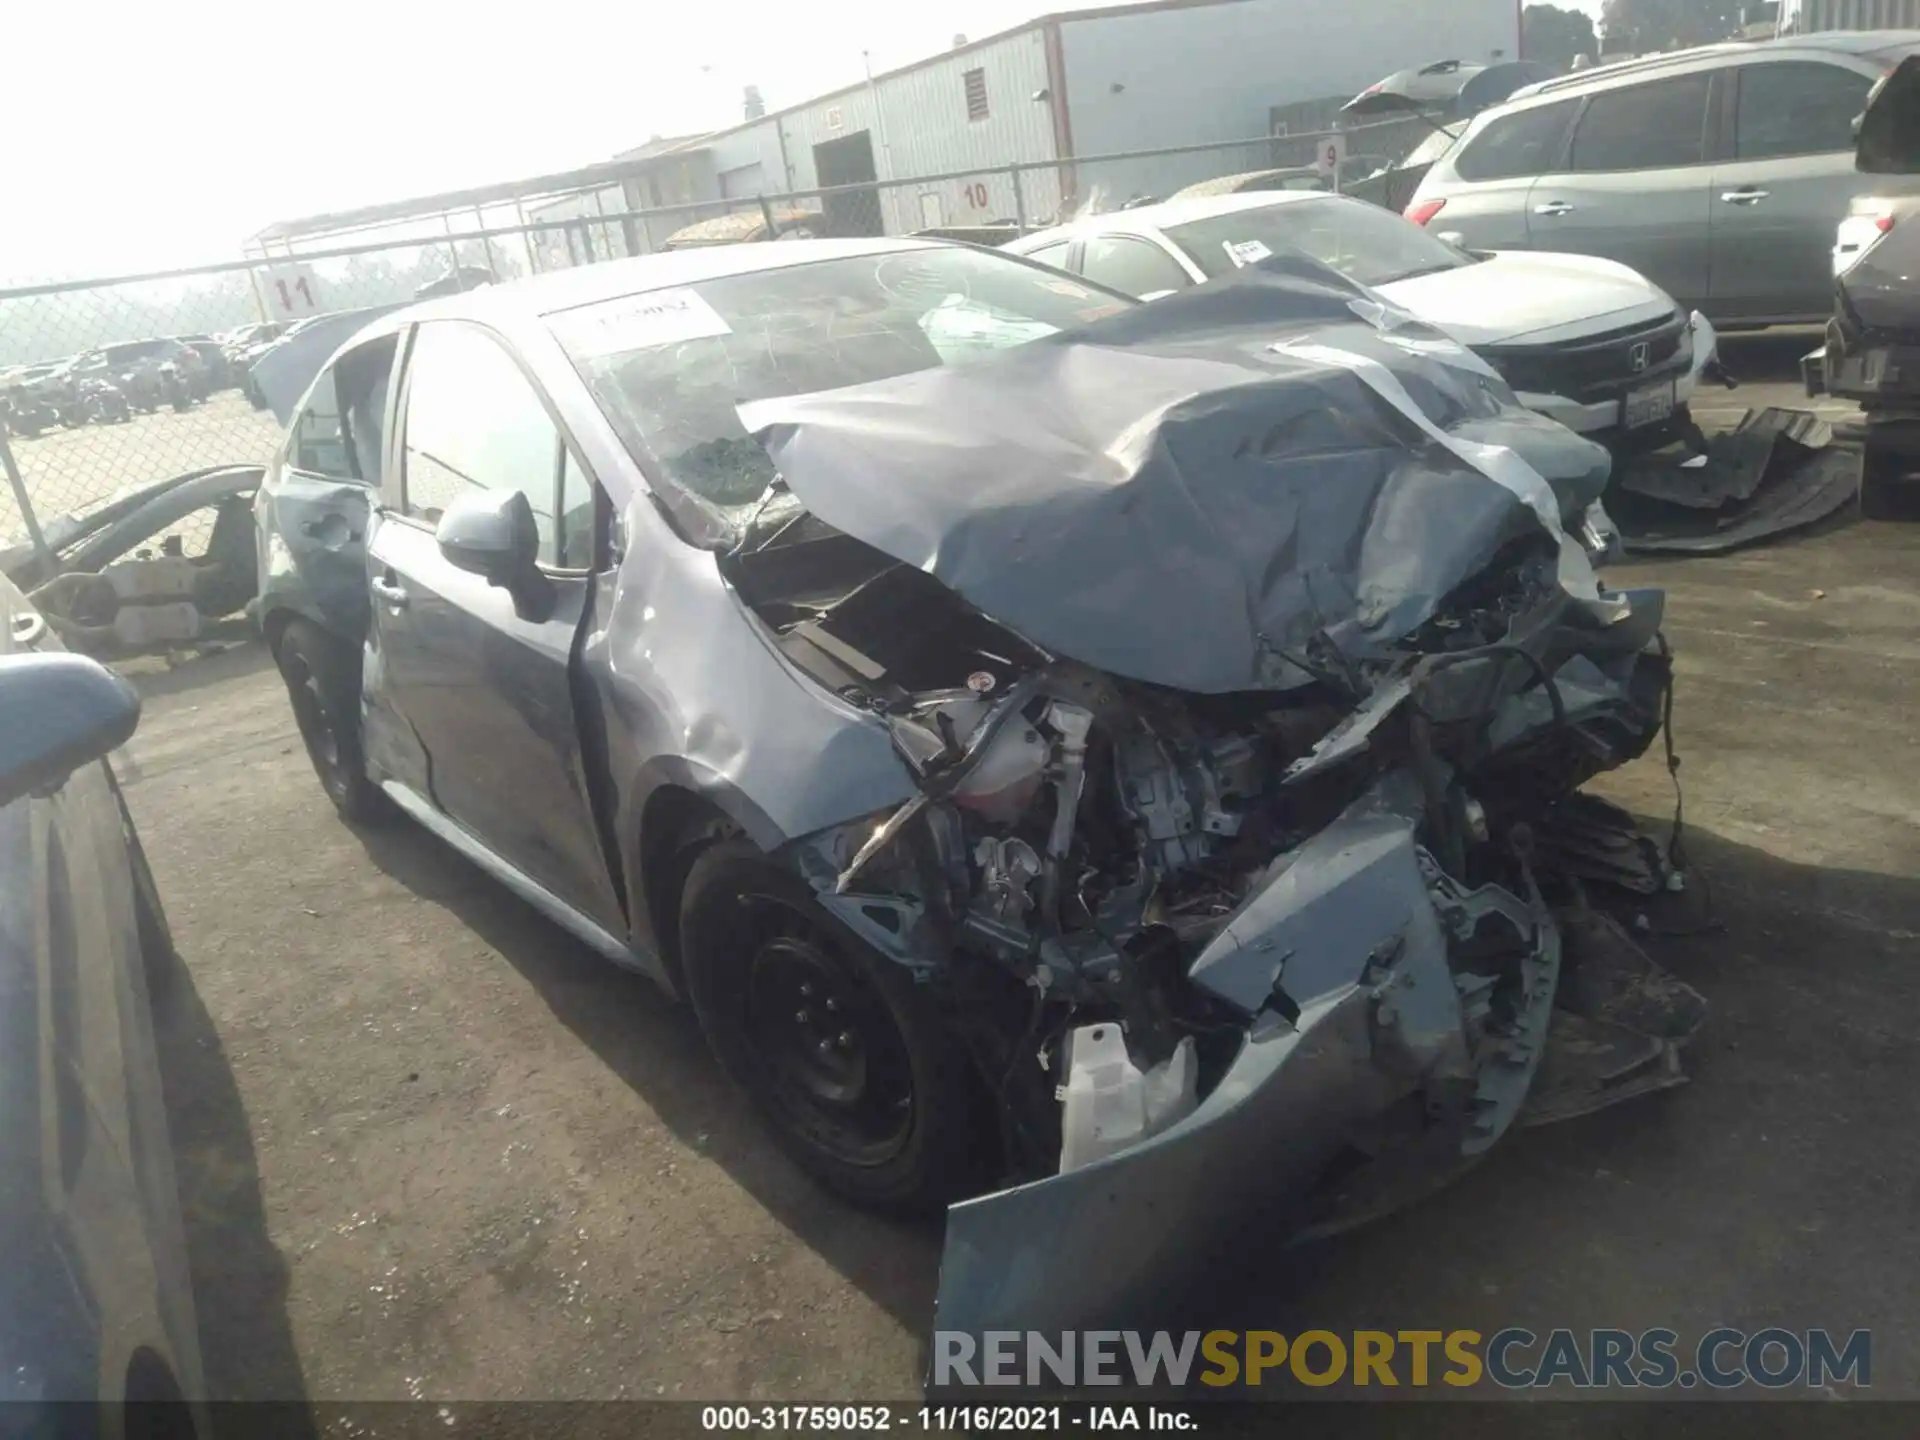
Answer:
(432, 1147)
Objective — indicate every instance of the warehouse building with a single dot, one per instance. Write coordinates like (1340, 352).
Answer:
(1858, 15)
(1079, 84)
(1054, 93)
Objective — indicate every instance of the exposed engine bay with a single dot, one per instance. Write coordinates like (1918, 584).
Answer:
(1089, 838)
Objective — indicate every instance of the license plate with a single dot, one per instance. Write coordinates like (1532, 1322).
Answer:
(1647, 407)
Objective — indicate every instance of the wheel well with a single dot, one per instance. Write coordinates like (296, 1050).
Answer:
(274, 624)
(676, 825)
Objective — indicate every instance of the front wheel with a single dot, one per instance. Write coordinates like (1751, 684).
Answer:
(837, 1045)
(323, 683)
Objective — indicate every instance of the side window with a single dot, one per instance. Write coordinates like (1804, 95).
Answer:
(319, 442)
(338, 434)
(1797, 107)
(1132, 266)
(1515, 146)
(1054, 255)
(1644, 127)
(475, 422)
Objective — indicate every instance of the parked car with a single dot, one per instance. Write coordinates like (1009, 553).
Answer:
(1872, 349)
(1718, 173)
(238, 341)
(214, 371)
(31, 397)
(151, 373)
(924, 660)
(96, 1300)
(1583, 340)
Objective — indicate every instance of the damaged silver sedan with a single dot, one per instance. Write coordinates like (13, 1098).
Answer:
(1109, 769)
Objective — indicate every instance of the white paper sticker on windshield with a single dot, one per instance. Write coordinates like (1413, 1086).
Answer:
(1245, 252)
(641, 322)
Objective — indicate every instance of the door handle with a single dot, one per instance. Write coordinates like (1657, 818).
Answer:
(27, 630)
(1747, 196)
(1553, 207)
(389, 593)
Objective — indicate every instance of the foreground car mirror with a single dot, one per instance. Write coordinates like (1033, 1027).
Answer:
(492, 534)
(57, 713)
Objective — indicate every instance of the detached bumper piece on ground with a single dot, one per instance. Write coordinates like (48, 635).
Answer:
(1777, 471)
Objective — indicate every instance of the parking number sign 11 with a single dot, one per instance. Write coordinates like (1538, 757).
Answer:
(291, 292)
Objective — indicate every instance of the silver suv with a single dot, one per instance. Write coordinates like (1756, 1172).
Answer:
(1718, 173)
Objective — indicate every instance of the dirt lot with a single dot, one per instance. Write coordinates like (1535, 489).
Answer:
(432, 1147)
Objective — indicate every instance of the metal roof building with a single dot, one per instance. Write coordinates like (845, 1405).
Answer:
(1051, 92)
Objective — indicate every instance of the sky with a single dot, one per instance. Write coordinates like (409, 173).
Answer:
(165, 137)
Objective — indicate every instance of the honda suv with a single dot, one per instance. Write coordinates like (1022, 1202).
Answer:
(1718, 173)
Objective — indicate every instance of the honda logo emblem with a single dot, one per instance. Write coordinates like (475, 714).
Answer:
(1638, 356)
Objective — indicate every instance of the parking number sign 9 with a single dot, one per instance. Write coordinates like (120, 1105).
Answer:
(1333, 150)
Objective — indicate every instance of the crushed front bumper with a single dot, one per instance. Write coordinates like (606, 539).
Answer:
(1341, 963)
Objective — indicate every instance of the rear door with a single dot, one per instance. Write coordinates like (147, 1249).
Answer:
(1480, 193)
(1783, 184)
(465, 688)
(1634, 186)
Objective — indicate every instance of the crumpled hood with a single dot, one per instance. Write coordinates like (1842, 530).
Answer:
(1181, 492)
(1517, 296)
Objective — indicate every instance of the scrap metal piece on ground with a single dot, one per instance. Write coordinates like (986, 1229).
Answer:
(1607, 978)
(1591, 1065)
(1778, 470)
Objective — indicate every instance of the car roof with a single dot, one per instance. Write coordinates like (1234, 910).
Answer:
(559, 290)
(1167, 212)
(1842, 42)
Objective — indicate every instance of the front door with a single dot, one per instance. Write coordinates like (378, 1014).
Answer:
(1783, 186)
(466, 687)
(1635, 184)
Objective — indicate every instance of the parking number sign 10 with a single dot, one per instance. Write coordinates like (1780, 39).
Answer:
(291, 292)
(976, 194)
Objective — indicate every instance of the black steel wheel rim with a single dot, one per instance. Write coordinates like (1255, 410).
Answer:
(310, 714)
(829, 1048)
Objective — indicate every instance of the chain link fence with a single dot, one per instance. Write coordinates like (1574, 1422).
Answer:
(110, 385)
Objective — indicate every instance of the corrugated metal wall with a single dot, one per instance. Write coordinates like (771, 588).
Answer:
(1214, 72)
(928, 133)
(1859, 15)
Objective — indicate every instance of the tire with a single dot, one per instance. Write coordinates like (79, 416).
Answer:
(834, 1043)
(323, 684)
(1886, 491)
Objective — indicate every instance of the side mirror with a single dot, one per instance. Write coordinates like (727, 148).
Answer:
(57, 713)
(1455, 238)
(490, 533)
